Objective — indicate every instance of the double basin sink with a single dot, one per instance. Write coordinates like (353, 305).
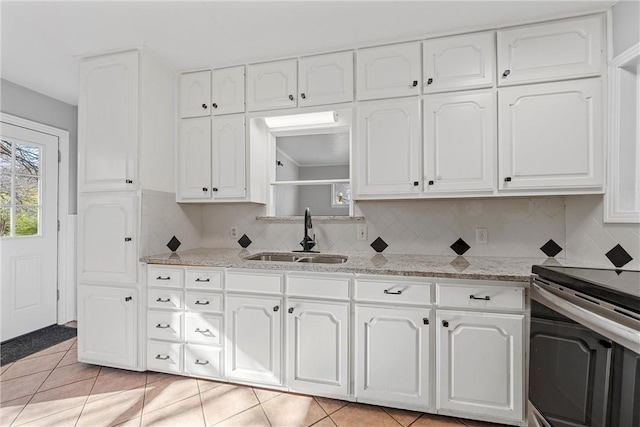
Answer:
(307, 258)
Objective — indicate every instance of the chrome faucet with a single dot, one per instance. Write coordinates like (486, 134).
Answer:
(307, 242)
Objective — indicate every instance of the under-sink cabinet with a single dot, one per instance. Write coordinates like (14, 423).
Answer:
(453, 347)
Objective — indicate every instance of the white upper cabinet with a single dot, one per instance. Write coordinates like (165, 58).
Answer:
(461, 62)
(195, 94)
(325, 79)
(388, 152)
(389, 71)
(227, 91)
(228, 157)
(194, 159)
(108, 122)
(272, 85)
(551, 51)
(551, 136)
(459, 142)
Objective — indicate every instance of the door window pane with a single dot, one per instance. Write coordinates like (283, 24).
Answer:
(5, 221)
(27, 159)
(27, 221)
(27, 190)
(5, 156)
(5, 189)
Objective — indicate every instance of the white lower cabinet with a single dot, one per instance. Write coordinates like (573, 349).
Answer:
(202, 360)
(392, 354)
(480, 364)
(108, 325)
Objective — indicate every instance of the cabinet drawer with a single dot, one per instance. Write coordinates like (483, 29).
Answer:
(164, 276)
(203, 360)
(324, 286)
(203, 279)
(164, 325)
(478, 296)
(202, 301)
(254, 282)
(166, 357)
(164, 298)
(205, 329)
(391, 290)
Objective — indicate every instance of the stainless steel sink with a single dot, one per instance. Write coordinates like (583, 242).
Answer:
(304, 258)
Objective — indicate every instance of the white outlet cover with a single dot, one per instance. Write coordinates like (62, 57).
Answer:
(233, 232)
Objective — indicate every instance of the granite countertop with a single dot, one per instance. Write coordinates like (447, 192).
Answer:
(456, 267)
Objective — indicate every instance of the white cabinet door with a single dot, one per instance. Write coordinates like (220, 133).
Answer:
(461, 62)
(480, 365)
(388, 154)
(389, 71)
(194, 159)
(551, 51)
(227, 92)
(108, 326)
(551, 136)
(228, 157)
(392, 354)
(195, 94)
(326, 79)
(253, 339)
(459, 142)
(108, 122)
(107, 244)
(272, 85)
(318, 347)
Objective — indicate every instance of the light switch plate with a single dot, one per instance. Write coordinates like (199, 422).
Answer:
(482, 236)
(362, 232)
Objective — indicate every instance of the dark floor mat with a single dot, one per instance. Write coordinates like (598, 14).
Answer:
(25, 345)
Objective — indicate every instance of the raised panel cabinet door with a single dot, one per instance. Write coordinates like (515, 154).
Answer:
(551, 51)
(318, 347)
(228, 154)
(389, 148)
(107, 240)
(389, 71)
(392, 354)
(195, 94)
(459, 142)
(272, 85)
(194, 159)
(227, 92)
(108, 326)
(461, 62)
(253, 339)
(550, 136)
(480, 366)
(108, 122)
(325, 79)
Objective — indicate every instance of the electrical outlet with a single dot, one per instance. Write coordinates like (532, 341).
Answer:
(233, 232)
(482, 236)
(362, 232)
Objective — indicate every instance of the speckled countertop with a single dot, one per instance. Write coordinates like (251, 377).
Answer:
(457, 267)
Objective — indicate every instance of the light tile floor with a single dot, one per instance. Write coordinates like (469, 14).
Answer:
(51, 388)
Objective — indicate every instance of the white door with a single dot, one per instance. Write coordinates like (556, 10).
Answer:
(253, 334)
(326, 79)
(272, 85)
(228, 151)
(480, 363)
(195, 94)
(318, 347)
(227, 90)
(194, 159)
(454, 124)
(389, 148)
(28, 227)
(392, 354)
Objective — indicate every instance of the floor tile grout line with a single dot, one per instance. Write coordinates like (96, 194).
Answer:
(263, 411)
(321, 407)
(87, 399)
(204, 419)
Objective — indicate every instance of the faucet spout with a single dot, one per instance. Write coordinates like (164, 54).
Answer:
(308, 242)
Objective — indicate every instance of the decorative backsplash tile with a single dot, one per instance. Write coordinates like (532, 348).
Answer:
(618, 256)
(379, 245)
(460, 246)
(244, 241)
(173, 244)
(551, 248)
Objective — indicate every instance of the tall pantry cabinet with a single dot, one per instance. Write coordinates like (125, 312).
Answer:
(125, 144)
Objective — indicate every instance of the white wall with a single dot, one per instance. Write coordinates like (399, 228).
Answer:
(626, 25)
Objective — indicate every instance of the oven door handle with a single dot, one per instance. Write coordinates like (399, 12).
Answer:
(623, 335)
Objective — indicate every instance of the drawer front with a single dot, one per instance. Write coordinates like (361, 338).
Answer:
(203, 279)
(485, 297)
(164, 298)
(204, 329)
(202, 301)
(326, 286)
(254, 282)
(203, 360)
(164, 276)
(165, 357)
(393, 291)
(164, 325)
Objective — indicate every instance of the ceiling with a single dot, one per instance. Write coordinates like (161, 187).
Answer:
(42, 41)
